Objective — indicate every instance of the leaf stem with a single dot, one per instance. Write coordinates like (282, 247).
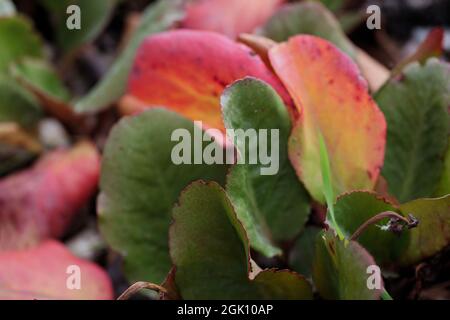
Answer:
(138, 286)
(327, 184)
(387, 214)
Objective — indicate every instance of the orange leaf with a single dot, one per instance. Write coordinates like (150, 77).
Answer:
(40, 202)
(229, 17)
(332, 99)
(186, 71)
(43, 273)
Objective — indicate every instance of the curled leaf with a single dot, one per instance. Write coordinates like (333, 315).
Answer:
(332, 101)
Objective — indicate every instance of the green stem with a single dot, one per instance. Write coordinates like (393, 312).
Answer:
(329, 196)
(327, 185)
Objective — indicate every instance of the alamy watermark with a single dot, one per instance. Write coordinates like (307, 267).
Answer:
(258, 147)
(73, 22)
(374, 281)
(374, 20)
(73, 281)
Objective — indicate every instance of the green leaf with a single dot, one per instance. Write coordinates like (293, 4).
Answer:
(16, 104)
(93, 18)
(42, 76)
(17, 40)
(333, 5)
(7, 8)
(327, 183)
(301, 256)
(307, 18)
(210, 252)
(340, 269)
(272, 206)
(432, 233)
(157, 18)
(415, 107)
(139, 185)
(353, 209)
(444, 185)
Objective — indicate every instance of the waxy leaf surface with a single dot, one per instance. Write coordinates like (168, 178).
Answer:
(353, 209)
(333, 101)
(416, 110)
(340, 269)
(41, 273)
(140, 183)
(40, 202)
(186, 71)
(274, 206)
(210, 252)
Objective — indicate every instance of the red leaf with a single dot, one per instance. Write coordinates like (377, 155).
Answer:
(229, 17)
(42, 273)
(186, 71)
(333, 101)
(40, 203)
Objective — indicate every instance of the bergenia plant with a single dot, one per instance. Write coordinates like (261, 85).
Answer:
(264, 157)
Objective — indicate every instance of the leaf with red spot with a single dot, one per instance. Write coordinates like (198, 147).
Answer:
(44, 272)
(186, 71)
(40, 203)
(332, 99)
(229, 17)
